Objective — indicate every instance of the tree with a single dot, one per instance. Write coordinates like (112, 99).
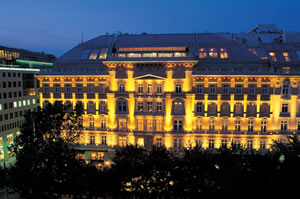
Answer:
(46, 165)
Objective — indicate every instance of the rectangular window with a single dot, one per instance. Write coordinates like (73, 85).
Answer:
(178, 107)
(284, 125)
(224, 143)
(238, 89)
(140, 88)
(198, 125)
(249, 144)
(273, 56)
(140, 124)
(149, 107)
(94, 54)
(121, 87)
(92, 139)
(159, 124)
(68, 88)
(179, 54)
(225, 89)
(199, 107)
(159, 88)
(286, 56)
(165, 54)
(223, 53)
(103, 123)
(149, 89)
(122, 107)
(213, 53)
(262, 144)
(103, 139)
(224, 125)
(211, 143)
(211, 125)
(122, 141)
(159, 107)
(285, 108)
(140, 107)
(251, 89)
(178, 88)
(285, 90)
(265, 89)
(202, 53)
(46, 88)
(178, 125)
(250, 126)
(150, 54)
(103, 53)
(134, 55)
(199, 88)
(149, 125)
(237, 125)
(158, 142)
(264, 126)
(79, 88)
(57, 87)
(212, 89)
(122, 124)
(90, 88)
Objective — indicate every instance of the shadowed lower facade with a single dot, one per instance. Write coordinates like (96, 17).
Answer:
(177, 90)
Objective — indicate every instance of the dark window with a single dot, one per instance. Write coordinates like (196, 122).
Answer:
(19, 84)
(4, 84)
(15, 94)
(3, 74)
(9, 74)
(1, 118)
(9, 84)
(6, 116)
(19, 74)
(15, 84)
(4, 95)
(14, 74)
(20, 94)
(10, 94)
(16, 114)
(10, 105)
(21, 113)
(5, 106)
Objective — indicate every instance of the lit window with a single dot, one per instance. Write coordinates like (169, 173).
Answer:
(211, 125)
(238, 108)
(103, 53)
(103, 139)
(140, 125)
(223, 53)
(202, 53)
(178, 107)
(1, 142)
(94, 54)
(199, 125)
(149, 125)
(10, 138)
(33, 101)
(179, 54)
(225, 108)
(165, 54)
(122, 124)
(134, 55)
(102, 106)
(273, 56)
(158, 142)
(237, 125)
(24, 102)
(92, 139)
(15, 105)
(149, 54)
(286, 56)
(159, 125)
(149, 89)
(20, 103)
(85, 54)
(149, 107)
(121, 55)
(213, 53)
(140, 142)
(286, 70)
(122, 141)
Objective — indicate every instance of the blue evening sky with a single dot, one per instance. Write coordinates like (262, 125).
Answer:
(55, 26)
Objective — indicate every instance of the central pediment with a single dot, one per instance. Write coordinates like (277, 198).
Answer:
(150, 76)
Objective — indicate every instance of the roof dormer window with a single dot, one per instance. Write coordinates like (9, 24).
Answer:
(223, 53)
(85, 54)
(273, 56)
(213, 53)
(94, 54)
(202, 53)
(286, 56)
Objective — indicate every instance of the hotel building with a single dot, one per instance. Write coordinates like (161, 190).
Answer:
(18, 92)
(178, 90)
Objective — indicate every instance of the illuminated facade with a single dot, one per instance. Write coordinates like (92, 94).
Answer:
(178, 90)
(18, 92)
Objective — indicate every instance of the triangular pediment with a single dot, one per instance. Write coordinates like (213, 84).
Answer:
(150, 76)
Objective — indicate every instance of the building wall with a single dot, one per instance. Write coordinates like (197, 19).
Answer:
(17, 96)
(169, 116)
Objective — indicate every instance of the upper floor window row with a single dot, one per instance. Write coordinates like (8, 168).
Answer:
(151, 55)
(78, 89)
(285, 55)
(93, 54)
(213, 53)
